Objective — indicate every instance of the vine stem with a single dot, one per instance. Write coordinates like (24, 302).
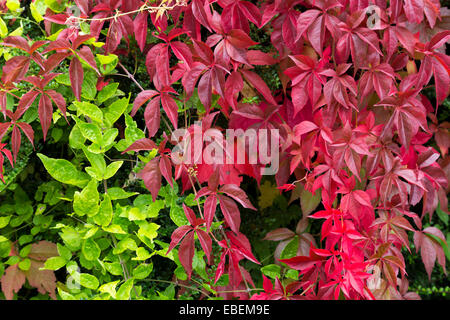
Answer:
(144, 7)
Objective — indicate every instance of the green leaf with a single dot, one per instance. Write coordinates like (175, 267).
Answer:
(180, 273)
(91, 231)
(63, 79)
(134, 214)
(64, 171)
(148, 230)
(125, 244)
(3, 28)
(86, 201)
(109, 288)
(37, 9)
(90, 110)
(109, 137)
(199, 265)
(114, 268)
(114, 228)
(223, 281)
(12, 260)
(4, 221)
(292, 274)
(132, 134)
(291, 249)
(142, 271)
(89, 281)
(272, 270)
(105, 212)
(125, 290)
(177, 215)
(442, 215)
(89, 85)
(107, 92)
(65, 295)
(112, 169)
(25, 264)
(64, 252)
(76, 138)
(106, 59)
(142, 254)
(54, 263)
(71, 238)
(90, 250)
(91, 131)
(14, 5)
(97, 161)
(118, 193)
(115, 110)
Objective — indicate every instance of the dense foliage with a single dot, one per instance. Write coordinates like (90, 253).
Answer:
(349, 96)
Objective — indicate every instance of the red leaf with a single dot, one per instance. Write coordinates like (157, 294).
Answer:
(279, 234)
(43, 250)
(58, 99)
(190, 215)
(28, 130)
(76, 77)
(152, 116)
(182, 52)
(210, 210)
(237, 194)
(177, 235)
(259, 85)
(205, 90)
(142, 144)
(45, 113)
(199, 13)
(171, 109)
(186, 253)
(151, 174)
(230, 212)
(140, 25)
(142, 98)
(43, 280)
(430, 248)
(12, 281)
(205, 242)
(85, 54)
(165, 165)
(15, 141)
(15, 69)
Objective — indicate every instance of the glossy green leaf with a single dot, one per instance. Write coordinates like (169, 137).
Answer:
(272, 270)
(142, 271)
(86, 201)
(115, 110)
(125, 290)
(54, 263)
(64, 171)
(105, 212)
(90, 249)
(89, 281)
(107, 92)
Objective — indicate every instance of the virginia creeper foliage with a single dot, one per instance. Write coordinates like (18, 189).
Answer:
(356, 131)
